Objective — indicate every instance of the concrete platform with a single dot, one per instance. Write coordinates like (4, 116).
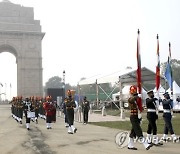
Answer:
(89, 139)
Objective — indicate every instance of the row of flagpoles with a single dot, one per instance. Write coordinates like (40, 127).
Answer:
(168, 70)
(5, 91)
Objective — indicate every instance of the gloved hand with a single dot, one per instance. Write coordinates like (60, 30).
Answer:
(171, 112)
(139, 116)
(139, 95)
(155, 99)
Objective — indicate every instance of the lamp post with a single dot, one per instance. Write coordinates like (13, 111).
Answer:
(64, 84)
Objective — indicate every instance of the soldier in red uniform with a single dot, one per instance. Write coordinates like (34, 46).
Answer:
(136, 131)
(49, 111)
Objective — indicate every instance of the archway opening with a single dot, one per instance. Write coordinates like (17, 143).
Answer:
(8, 76)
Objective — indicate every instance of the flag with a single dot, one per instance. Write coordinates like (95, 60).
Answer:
(168, 71)
(168, 74)
(138, 65)
(139, 102)
(1, 84)
(158, 67)
(10, 85)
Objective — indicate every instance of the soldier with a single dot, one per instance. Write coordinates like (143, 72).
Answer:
(20, 109)
(152, 116)
(167, 115)
(13, 107)
(65, 113)
(85, 108)
(41, 109)
(28, 110)
(136, 131)
(36, 105)
(70, 105)
(49, 111)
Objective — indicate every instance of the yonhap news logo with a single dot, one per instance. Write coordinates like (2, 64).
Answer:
(121, 139)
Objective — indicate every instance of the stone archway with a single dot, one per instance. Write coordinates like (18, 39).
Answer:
(21, 35)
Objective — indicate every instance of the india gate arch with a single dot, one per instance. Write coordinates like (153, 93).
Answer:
(21, 36)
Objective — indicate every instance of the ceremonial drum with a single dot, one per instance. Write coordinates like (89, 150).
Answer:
(30, 114)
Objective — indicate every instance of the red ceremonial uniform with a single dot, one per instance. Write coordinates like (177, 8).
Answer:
(49, 108)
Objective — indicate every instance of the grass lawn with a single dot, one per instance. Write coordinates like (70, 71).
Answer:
(126, 125)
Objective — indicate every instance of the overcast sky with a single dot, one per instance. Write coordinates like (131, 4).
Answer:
(91, 37)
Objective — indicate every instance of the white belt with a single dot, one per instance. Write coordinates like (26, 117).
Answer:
(167, 111)
(151, 110)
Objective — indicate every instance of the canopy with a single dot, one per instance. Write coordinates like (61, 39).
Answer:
(127, 77)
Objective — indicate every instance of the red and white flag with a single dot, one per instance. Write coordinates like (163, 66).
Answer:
(158, 68)
(139, 102)
(138, 64)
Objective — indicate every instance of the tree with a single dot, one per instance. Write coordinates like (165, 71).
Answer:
(175, 65)
(54, 82)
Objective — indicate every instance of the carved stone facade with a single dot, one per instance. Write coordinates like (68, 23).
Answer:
(21, 35)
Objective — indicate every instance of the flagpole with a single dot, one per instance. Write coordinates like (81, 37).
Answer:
(138, 72)
(158, 69)
(171, 69)
(168, 72)
(138, 64)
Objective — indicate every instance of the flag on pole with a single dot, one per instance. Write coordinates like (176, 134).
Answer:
(168, 71)
(139, 102)
(168, 74)
(1, 84)
(10, 85)
(138, 64)
(158, 67)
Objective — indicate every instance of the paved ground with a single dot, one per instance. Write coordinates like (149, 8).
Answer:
(89, 139)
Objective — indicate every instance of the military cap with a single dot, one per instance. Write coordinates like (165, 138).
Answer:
(150, 91)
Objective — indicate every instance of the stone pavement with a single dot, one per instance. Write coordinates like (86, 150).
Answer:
(89, 139)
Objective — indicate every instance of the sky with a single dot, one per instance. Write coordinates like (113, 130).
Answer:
(92, 37)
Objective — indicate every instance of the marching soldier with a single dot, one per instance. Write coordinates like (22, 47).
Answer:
(13, 107)
(20, 109)
(36, 106)
(28, 110)
(16, 109)
(136, 131)
(65, 113)
(152, 116)
(167, 115)
(85, 108)
(70, 105)
(41, 109)
(49, 111)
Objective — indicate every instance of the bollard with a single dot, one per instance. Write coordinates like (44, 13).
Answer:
(104, 111)
(122, 115)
